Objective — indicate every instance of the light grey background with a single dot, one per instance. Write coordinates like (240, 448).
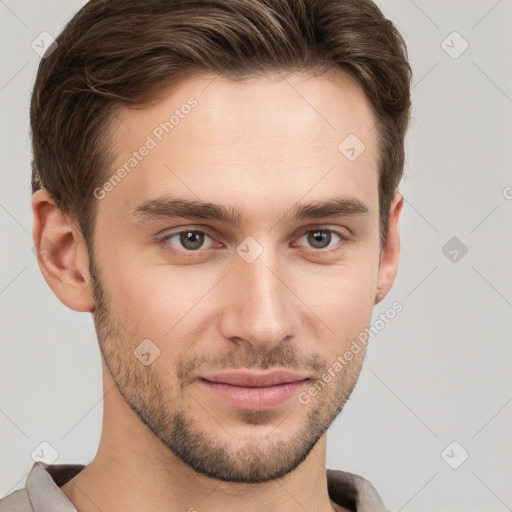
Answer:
(438, 373)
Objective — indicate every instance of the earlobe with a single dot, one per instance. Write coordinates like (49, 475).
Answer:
(388, 263)
(61, 253)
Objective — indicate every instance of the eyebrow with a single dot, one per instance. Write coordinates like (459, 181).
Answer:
(168, 208)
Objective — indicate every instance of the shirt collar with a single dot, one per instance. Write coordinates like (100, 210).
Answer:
(43, 491)
(353, 492)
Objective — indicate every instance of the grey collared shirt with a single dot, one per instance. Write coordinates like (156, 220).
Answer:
(42, 494)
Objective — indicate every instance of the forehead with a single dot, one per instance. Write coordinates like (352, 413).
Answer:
(254, 137)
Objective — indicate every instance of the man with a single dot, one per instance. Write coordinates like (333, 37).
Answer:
(216, 182)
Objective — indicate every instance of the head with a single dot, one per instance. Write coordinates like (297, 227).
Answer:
(286, 120)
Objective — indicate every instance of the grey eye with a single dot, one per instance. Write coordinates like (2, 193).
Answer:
(189, 240)
(320, 238)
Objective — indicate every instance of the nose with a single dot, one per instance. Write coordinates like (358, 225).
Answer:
(259, 310)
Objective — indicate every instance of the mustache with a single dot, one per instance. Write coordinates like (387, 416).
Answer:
(284, 356)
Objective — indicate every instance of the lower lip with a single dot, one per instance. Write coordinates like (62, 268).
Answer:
(255, 399)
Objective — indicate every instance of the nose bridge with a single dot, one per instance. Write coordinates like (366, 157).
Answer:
(259, 308)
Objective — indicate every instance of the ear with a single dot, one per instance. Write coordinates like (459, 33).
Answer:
(391, 251)
(61, 253)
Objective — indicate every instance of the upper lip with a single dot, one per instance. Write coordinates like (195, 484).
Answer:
(255, 380)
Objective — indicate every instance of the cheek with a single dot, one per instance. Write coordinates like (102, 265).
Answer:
(151, 297)
(342, 295)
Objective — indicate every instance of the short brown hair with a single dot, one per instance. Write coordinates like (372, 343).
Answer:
(118, 51)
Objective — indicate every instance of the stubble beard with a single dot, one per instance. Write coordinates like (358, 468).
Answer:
(160, 400)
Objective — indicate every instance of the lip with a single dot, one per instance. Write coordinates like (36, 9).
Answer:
(255, 380)
(252, 391)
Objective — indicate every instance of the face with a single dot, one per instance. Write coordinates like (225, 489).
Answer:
(258, 282)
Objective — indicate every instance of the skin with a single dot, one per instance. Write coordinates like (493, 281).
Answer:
(261, 146)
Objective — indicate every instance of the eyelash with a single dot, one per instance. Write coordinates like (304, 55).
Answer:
(164, 242)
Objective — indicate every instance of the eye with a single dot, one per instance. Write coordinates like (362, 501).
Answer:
(189, 240)
(321, 239)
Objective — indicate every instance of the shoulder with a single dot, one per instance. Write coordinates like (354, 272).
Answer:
(17, 501)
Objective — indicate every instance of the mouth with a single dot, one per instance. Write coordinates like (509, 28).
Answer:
(251, 391)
